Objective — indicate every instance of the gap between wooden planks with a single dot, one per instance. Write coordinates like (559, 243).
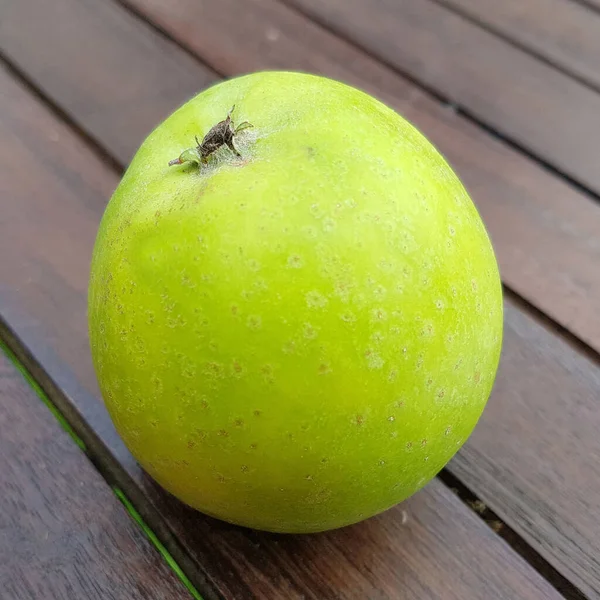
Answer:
(562, 32)
(63, 532)
(537, 106)
(49, 229)
(342, 46)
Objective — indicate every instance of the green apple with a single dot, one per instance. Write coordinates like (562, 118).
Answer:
(302, 336)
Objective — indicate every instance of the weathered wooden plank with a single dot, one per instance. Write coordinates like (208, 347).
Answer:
(116, 76)
(564, 32)
(551, 114)
(534, 456)
(63, 533)
(431, 546)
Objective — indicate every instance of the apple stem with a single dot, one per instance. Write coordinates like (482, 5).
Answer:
(191, 155)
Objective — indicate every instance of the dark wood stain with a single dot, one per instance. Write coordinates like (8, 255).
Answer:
(63, 533)
(430, 547)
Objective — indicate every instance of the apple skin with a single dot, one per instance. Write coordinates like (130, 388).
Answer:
(300, 339)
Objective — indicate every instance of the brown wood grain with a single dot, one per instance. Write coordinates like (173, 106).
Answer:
(564, 32)
(544, 231)
(430, 547)
(540, 108)
(536, 453)
(63, 533)
(114, 74)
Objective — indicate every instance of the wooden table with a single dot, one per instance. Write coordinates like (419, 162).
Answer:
(509, 91)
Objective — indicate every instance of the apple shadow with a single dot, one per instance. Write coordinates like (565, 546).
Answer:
(374, 558)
